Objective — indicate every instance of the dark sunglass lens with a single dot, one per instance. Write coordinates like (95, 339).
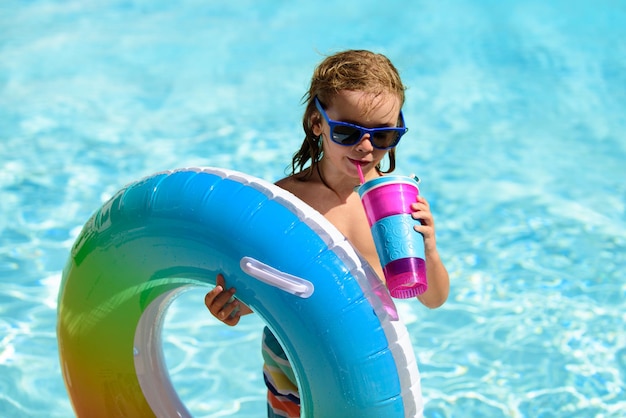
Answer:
(346, 135)
(385, 139)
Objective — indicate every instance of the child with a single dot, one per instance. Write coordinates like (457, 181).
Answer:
(364, 90)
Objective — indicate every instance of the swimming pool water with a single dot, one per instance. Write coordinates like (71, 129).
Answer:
(517, 114)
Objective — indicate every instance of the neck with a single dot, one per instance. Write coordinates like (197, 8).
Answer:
(343, 186)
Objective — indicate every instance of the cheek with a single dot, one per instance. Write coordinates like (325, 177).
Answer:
(379, 155)
(334, 151)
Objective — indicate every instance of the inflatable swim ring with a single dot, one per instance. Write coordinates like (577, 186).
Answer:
(351, 355)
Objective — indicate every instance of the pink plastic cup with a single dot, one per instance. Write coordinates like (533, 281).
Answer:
(387, 202)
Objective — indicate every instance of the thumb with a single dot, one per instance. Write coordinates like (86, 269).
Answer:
(220, 281)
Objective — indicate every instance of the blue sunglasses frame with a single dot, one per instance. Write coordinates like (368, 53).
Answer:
(381, 138)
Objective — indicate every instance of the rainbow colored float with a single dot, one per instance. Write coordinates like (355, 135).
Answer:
(334, 318)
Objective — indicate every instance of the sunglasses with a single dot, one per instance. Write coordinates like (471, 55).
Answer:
(344, 133)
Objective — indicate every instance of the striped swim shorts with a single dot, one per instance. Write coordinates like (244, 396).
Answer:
(283, 399)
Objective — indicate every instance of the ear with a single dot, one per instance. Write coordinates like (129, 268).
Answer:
(316, 123)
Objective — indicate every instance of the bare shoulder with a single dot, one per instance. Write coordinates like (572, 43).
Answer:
(294, 184)
(310, 191)
(287, 183)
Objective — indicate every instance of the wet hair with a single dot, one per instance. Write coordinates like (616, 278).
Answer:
(356, 70)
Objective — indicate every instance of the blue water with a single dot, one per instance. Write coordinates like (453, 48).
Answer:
(517, 117)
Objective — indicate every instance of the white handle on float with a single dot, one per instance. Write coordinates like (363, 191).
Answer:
(284, 281)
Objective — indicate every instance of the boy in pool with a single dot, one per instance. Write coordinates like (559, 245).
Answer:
(364, 89)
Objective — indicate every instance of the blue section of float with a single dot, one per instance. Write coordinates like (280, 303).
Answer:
(182, 228)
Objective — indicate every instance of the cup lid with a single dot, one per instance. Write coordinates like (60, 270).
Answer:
(381, 181)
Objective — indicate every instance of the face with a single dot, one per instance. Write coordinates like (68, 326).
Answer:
(358, 108)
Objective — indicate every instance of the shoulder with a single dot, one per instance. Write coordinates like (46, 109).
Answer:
(291, 184)
(296, 184)
(307, 189)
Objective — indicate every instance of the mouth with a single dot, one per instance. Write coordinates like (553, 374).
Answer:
(359, 162)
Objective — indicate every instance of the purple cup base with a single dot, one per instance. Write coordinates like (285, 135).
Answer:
(406, 277)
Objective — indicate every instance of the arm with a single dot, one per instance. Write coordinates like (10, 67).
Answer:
(221, 304)
(436, 273)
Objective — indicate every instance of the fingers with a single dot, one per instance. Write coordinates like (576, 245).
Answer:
(216, 298)
(222, 304)
(230, 313)
(421, 199)
(426, 225)
(420, 203)
(421, 212)
(220, 281)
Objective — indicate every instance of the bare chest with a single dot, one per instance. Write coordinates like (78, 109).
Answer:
(350, 220)
(347, 215)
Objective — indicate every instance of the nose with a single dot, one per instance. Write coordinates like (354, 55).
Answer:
(365, 144)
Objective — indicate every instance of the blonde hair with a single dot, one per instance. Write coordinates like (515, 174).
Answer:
(356, 70)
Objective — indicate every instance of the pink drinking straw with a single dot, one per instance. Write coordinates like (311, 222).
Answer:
(358, 168)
